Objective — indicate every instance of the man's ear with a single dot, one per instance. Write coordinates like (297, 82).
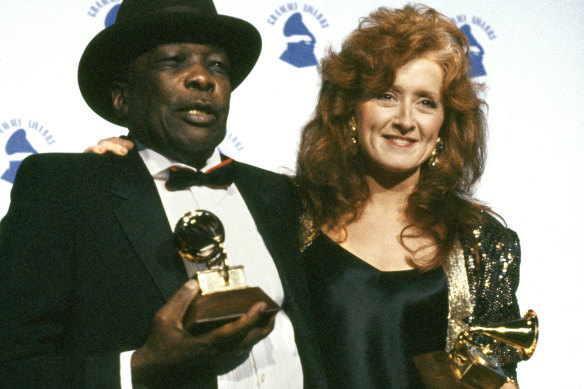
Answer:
(120, 98)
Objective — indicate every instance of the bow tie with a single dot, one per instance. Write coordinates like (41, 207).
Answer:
(219, 176)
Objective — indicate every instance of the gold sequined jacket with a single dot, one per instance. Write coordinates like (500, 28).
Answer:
(483, 275)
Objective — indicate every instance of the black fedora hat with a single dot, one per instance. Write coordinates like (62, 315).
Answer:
(142, 25)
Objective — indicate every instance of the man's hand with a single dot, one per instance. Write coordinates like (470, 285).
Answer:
(118, 146)
(170, 350)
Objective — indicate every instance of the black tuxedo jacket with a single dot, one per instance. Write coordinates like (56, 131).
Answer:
(86, 259)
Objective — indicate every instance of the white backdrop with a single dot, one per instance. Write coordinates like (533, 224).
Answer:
(533, 63)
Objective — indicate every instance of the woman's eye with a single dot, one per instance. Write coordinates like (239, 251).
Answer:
(429, 103)
(387, 96)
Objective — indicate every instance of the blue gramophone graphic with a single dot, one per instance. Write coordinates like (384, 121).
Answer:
(475, 54)
(17, 143)
(299, 54)
(110, 18)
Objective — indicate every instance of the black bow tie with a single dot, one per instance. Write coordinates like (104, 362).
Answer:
(220, 176)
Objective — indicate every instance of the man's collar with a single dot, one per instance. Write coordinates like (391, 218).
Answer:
(158, 164)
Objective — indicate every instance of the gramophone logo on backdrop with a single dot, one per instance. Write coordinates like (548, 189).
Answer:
(299, 26)
(19, 139)
(476, 30)
(107, 10)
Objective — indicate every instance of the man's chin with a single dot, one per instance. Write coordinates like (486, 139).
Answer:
(195, 155)
(199, 140)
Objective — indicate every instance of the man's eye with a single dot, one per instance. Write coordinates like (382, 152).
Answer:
(219, 66)
(171, 59)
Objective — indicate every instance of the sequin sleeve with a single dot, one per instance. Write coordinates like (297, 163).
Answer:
(492, 260)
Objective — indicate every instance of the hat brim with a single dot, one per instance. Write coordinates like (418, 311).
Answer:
(110, 51)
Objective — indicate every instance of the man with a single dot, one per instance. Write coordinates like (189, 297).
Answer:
(92, 284)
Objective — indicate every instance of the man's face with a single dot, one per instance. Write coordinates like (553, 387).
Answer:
(176, 100)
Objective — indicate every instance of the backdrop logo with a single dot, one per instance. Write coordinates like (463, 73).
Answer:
(107, 10)
(18, 140)
(235, 142)
(299, 37)
(476, 31)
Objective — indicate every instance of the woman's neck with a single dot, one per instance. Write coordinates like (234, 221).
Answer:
(392, 189)
(376, 235)
(387, 202)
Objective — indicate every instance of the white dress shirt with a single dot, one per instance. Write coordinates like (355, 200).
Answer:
(274, 361)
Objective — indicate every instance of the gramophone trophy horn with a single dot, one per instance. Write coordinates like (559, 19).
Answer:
(521, 334)
(470, 364)
(473, 363)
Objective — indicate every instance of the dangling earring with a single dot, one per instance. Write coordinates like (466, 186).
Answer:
(354, 134)
(436, 152)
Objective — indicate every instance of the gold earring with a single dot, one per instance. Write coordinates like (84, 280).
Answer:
(436, 152)
(354, 134)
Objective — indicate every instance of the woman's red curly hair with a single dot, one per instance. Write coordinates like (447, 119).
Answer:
(330, 168)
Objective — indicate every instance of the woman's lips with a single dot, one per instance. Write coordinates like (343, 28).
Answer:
(399, 141)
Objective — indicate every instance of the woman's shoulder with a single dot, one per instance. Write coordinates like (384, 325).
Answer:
(492, 230)
(491, 245)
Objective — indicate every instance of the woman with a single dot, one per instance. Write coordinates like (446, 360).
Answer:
(386, 170)
(397, 252)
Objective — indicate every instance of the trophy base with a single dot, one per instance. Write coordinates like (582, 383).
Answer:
(482, 377)
(213, 310)
(435, 370)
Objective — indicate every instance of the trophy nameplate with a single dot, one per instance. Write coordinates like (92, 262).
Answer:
(471, 365)
(225, 295)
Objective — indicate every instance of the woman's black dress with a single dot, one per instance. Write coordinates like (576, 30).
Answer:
(371, 323)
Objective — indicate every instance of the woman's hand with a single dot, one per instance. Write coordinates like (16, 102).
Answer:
(113, 145)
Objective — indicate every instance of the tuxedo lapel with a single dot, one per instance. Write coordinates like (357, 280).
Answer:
(273, 206)
(141, 214)
(273, 203)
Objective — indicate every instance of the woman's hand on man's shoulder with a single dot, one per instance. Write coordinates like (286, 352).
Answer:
(115, 145)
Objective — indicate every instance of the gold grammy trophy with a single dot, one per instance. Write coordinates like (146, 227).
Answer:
(200, 238)
(471, 365)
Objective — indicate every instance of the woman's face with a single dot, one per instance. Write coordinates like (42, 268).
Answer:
(398, 129)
